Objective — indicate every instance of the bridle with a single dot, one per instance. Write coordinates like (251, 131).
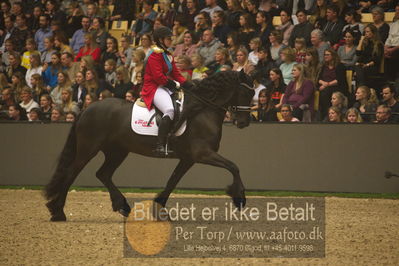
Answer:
(240, 108)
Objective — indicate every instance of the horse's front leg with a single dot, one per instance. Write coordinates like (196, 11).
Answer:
(178, 173)
(235, 190)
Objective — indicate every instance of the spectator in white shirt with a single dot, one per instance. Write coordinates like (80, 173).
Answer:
(391, 49)
(27, 100)
(36, 68)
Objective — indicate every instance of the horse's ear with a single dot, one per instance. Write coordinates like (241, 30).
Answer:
(242, 76)
(245, 78)
(252, 75)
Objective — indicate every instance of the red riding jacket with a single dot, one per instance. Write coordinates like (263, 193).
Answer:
(156, 75)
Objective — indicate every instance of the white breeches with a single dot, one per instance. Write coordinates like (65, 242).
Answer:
(163, 102)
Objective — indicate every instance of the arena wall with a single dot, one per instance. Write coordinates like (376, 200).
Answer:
(290, 157)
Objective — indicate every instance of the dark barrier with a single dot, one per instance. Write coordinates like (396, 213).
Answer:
(298, 157)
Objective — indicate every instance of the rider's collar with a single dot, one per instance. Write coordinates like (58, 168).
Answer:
(157, 49)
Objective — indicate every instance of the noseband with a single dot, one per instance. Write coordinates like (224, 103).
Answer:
(239, 108)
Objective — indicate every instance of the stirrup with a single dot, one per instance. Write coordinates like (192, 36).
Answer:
(162, 150)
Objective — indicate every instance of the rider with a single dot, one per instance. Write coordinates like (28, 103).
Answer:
(160, 75)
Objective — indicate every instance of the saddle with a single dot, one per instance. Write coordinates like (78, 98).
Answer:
(146, 122)
(177, 104)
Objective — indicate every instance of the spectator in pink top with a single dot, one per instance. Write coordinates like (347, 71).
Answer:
(188, 47)
(286, 114)
(299, 92)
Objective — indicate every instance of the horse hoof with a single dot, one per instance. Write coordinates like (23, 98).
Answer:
(161, 201)
(58, 218)
(239, 202)
(125, 210)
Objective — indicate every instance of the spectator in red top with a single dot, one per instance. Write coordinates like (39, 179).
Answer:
(300, 50)
(159, 82)
(90, 48)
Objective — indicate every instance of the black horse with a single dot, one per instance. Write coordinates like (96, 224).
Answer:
(105, 126)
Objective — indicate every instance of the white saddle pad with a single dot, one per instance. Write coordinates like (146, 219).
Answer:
(141, 116)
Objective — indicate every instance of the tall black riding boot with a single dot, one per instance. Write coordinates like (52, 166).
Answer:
(163, 131)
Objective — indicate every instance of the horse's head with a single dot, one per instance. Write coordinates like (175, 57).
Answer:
(242, 99)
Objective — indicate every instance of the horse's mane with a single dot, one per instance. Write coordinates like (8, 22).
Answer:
(210, 87)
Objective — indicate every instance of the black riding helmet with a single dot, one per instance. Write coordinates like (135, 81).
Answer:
(161, 33)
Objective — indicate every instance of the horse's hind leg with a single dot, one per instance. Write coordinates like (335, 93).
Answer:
(56, 205)
(235, 190)
(113, 159)
(178, 173)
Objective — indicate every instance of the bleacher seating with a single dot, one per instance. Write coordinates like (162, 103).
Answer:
(111, 8)
(389, 16)
(349, 77)
(276, 21)
(316, 100)
(120, 28)
(120, 25)
(117, 34)
(368, 17)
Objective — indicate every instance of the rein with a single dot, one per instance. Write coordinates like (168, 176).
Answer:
(233, 109)
(205, 101)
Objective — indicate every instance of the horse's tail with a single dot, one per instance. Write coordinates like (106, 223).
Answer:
(65, 160)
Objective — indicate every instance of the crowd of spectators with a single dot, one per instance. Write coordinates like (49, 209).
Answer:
(311, 60)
